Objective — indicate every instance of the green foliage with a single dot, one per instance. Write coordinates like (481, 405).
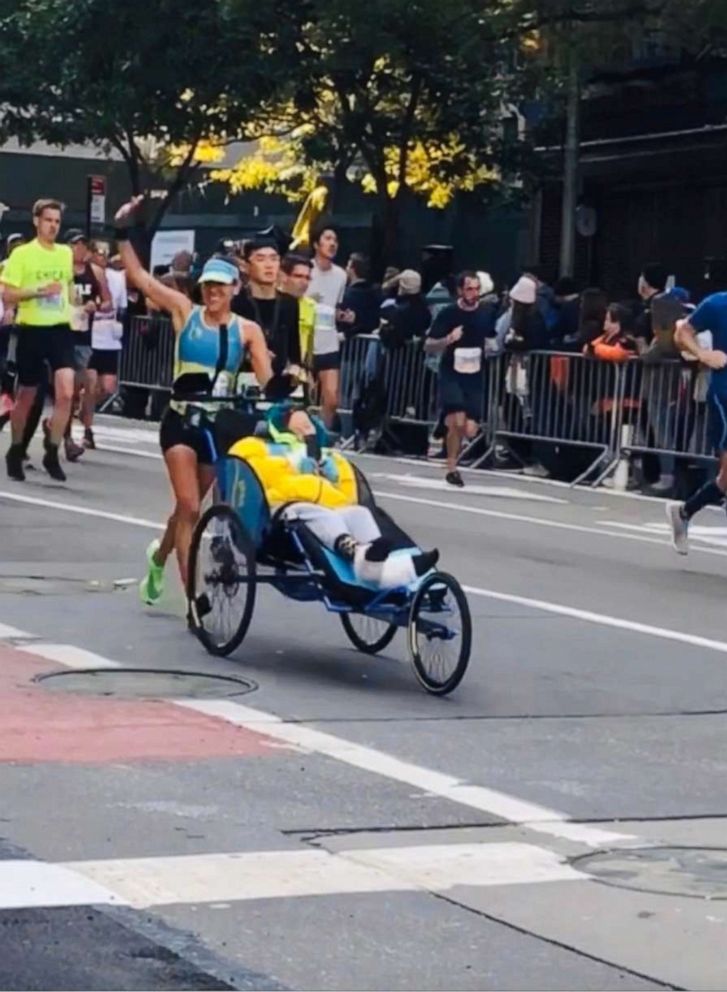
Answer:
(141, 77)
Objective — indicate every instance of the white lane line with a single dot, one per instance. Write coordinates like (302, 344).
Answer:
(136, 452)
(128, 435)
(205, 878)
(26, 884)
(516, 476)
(69, 655)
(8, 633)
(86, 511)
(594, 530)
(428, 781)
(666, 633)
(505, 492)
(697, 532)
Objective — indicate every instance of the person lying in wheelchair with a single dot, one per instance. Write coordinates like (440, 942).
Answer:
(307, 483)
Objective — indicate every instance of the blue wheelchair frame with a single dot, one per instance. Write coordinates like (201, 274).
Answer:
(239, 487)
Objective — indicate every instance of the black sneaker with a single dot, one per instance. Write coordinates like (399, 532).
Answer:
(425, 562)
(14, 460)
(51, 463)
(89, 441)
(454, 479)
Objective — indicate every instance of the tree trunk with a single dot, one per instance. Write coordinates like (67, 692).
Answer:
(570, 166)
(385, 235)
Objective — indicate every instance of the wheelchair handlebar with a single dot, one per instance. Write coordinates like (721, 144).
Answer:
(238, 398)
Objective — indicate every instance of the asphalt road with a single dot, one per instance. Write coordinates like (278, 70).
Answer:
(557, 823)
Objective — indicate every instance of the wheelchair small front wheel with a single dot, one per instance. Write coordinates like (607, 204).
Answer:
(221, 580)
(440, 633)
(368, 634)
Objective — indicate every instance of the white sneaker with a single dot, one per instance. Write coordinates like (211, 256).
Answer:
(679, 528)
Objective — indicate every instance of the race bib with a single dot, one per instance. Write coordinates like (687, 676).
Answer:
(50, 302)
(467, 360)
(325, 334)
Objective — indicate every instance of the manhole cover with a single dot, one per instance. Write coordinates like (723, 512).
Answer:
(49, 585)
(146, 683)
(698, 872)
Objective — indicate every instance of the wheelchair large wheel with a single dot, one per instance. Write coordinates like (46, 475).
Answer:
(440, 633)
(221, 583)
(368, 634)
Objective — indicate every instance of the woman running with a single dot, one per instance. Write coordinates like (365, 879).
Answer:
(197, 349)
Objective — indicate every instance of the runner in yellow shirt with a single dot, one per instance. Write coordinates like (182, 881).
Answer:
(37, 280)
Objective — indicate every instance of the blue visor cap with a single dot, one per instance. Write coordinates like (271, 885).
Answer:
(219, 270)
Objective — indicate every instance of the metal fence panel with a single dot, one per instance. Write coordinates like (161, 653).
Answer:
(147, 355)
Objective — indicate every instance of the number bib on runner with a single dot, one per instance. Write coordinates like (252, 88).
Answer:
(467, 360)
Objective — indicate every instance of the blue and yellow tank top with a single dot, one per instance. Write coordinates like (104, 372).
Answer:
(197, 349)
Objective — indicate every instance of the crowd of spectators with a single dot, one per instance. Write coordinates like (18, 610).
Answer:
(532, 314)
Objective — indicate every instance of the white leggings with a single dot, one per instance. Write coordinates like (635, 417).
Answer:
(328, 525)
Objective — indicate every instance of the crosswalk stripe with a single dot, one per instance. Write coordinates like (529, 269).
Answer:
(29, 884)
(247, 875)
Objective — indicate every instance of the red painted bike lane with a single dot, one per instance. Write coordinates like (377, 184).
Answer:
(39, 726)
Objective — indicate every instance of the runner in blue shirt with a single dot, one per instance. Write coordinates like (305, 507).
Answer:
(710, 315)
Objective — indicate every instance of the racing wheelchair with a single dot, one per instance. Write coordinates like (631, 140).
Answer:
(241, 543)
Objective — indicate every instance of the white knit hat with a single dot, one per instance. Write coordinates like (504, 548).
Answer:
(525, 290)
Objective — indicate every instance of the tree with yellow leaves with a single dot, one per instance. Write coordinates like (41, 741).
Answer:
(407, 96)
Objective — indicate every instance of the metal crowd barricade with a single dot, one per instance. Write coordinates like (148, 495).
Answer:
(147, 354)
(409, 387)
(555, 397)
(664, 410)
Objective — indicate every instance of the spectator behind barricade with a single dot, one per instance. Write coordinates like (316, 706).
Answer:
(682, 294)
(406, 317)
(616, 342)
(182, 262)
(545, 297)
(526, 330)
(568, 302)
(441, 295)
(591, 315)
(490, 306)
(652, 281)
(359, 310)
(390, 282)
(661, 384)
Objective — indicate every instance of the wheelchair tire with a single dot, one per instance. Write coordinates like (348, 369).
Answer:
(440, 615)
(368, 641)
(220, 554)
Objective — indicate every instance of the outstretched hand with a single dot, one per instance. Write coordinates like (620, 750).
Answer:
(125, 214)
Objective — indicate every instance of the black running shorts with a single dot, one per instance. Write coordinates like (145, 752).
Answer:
(38, 346)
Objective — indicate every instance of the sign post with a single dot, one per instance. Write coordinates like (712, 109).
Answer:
(95, 202)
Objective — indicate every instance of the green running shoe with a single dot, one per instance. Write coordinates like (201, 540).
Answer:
(151, 586)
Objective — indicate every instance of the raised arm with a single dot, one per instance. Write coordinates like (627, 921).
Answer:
(164, 297)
